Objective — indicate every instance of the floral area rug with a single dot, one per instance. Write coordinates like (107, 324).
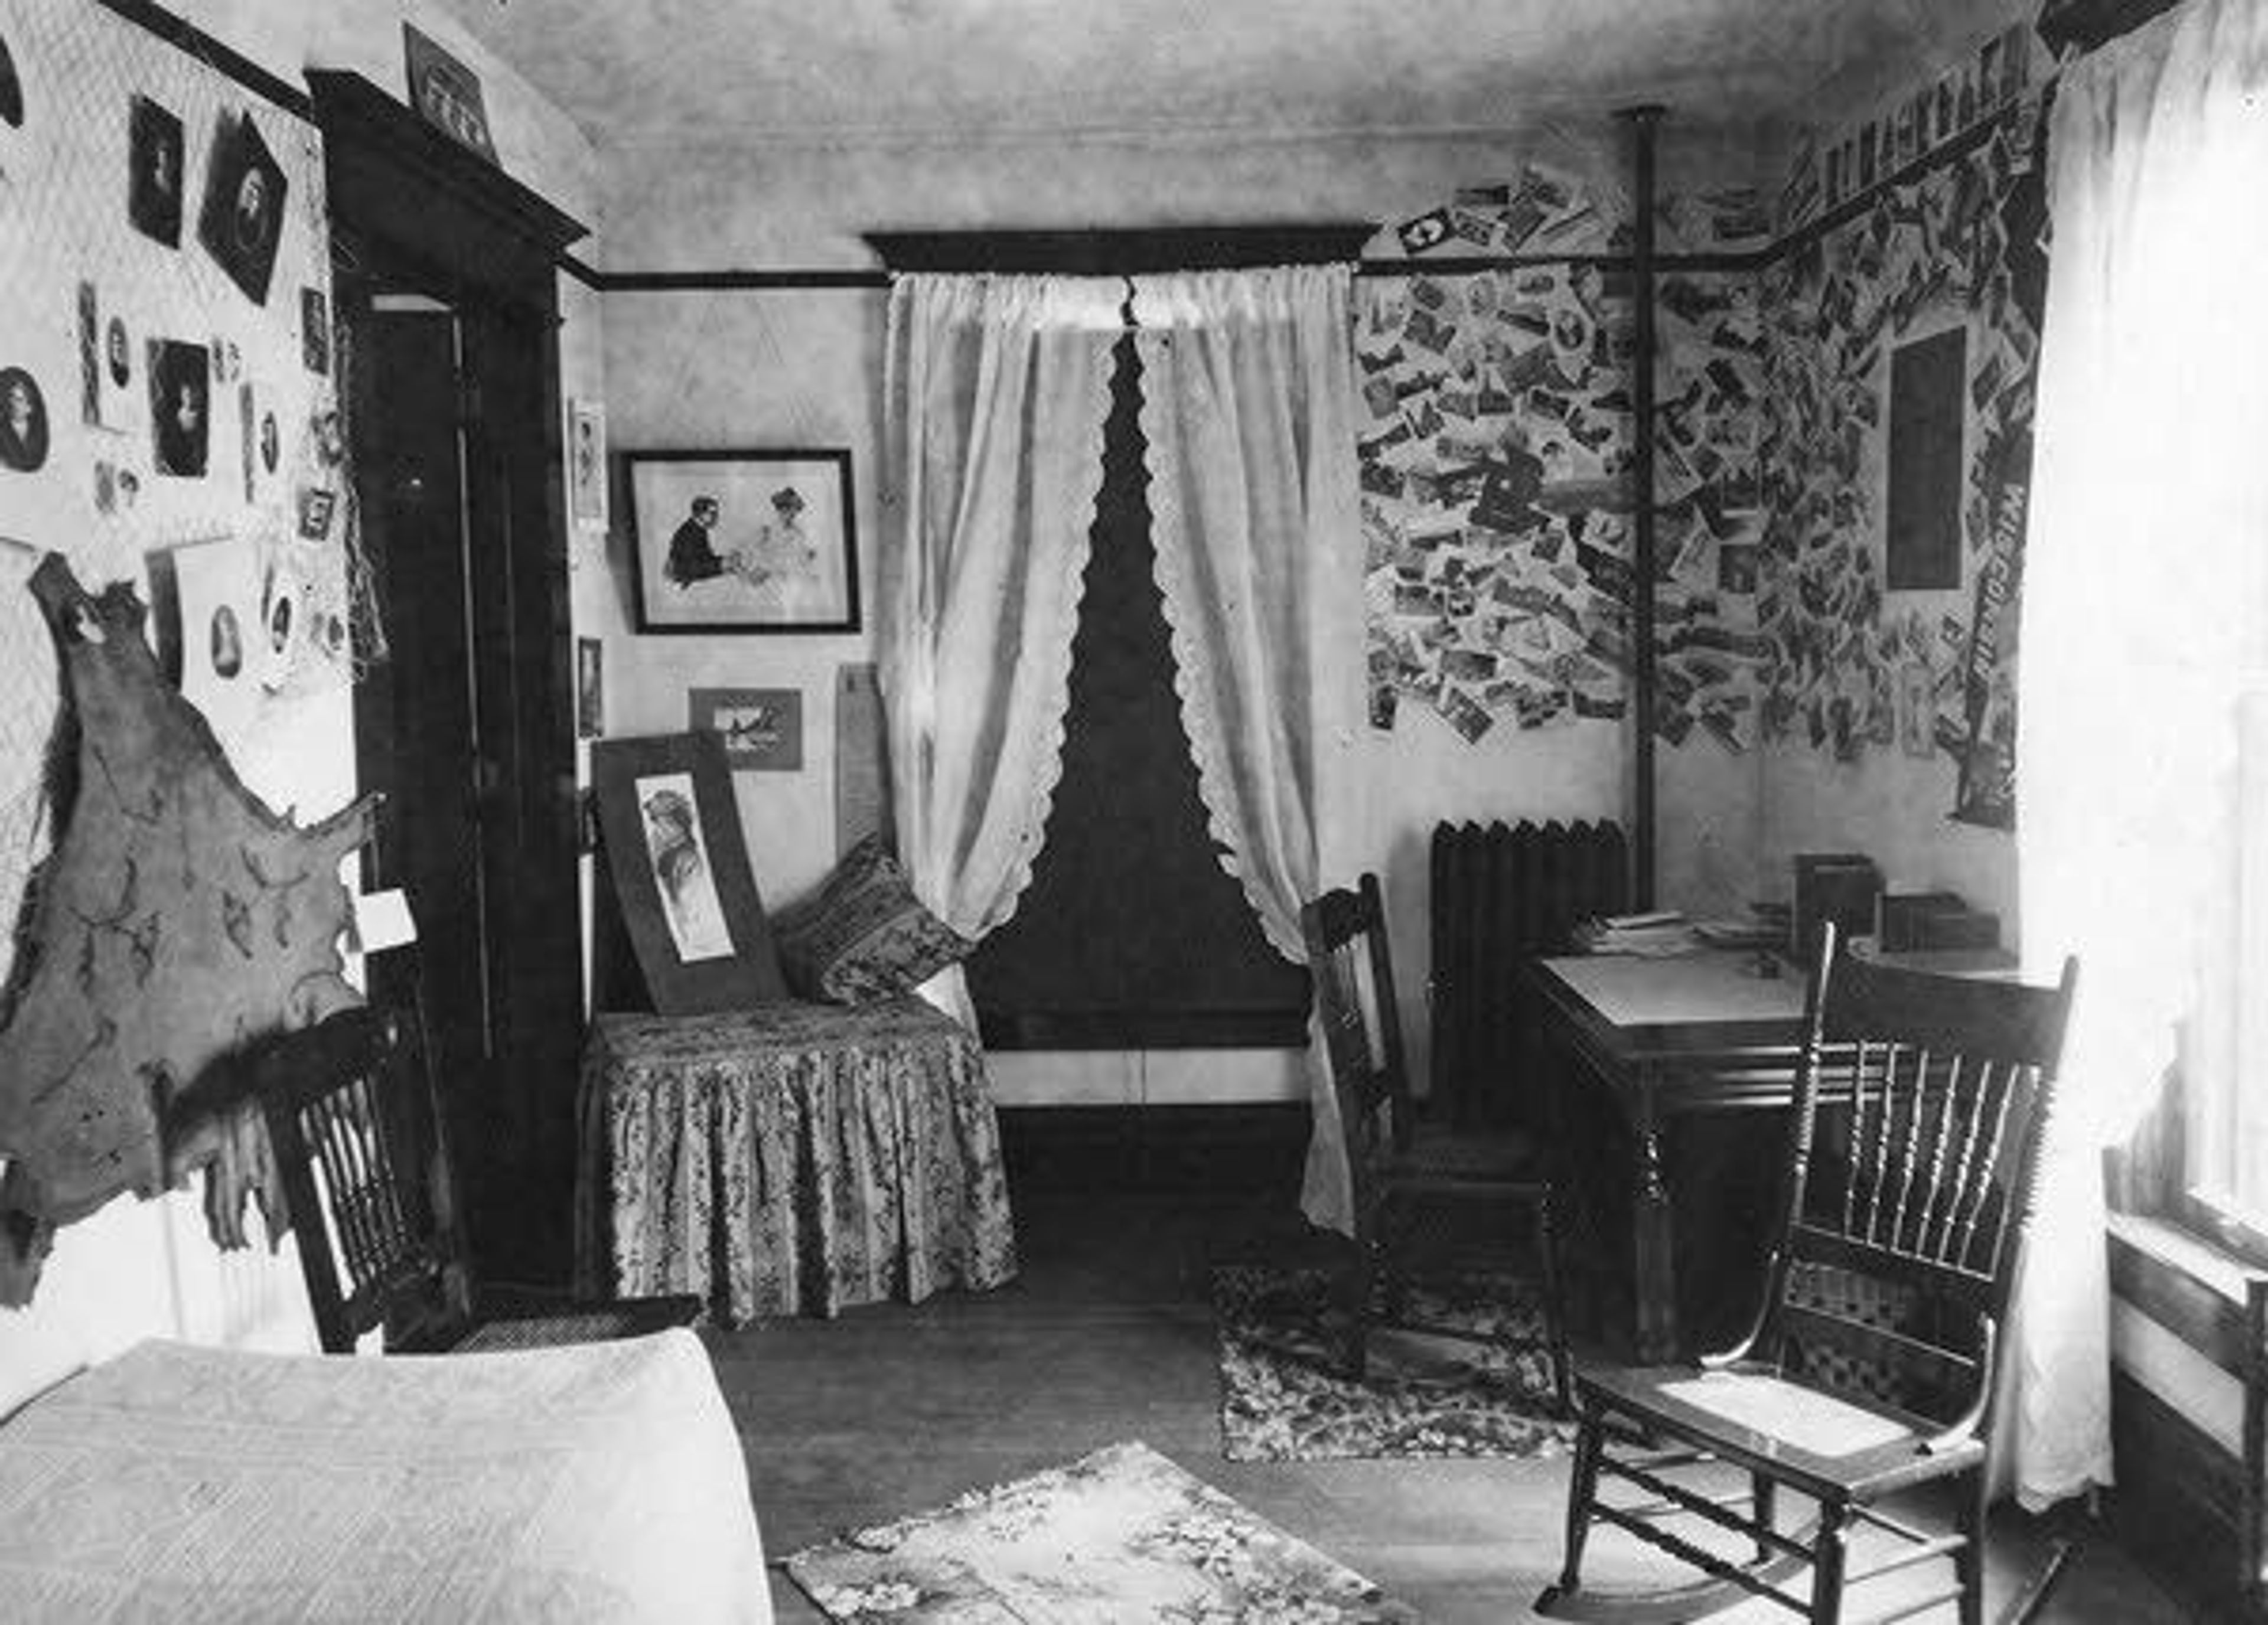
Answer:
(1284, 1399)
(1120, 1537)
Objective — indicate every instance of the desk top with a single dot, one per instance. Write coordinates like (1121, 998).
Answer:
(1698, 1014)
(1629, 991)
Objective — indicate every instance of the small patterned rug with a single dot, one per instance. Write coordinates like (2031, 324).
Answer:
(1284, 1399)
(1120, 1537)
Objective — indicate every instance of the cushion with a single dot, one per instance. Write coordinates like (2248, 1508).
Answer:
(864, 935)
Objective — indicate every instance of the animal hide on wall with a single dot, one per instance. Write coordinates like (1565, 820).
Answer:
(178, 920)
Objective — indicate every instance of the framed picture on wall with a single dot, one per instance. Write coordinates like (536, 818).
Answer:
(586, 463)
(670, 829)
(743, 541)
(762, 728)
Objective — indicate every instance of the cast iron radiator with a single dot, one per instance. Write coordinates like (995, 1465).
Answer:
(1500, 895)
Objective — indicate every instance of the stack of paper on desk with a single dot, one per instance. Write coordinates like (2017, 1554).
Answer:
(1662, 932)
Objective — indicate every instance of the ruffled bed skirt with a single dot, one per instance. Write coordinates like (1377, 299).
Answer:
(791, 1159)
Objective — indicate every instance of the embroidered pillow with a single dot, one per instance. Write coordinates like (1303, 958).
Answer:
(864, 935)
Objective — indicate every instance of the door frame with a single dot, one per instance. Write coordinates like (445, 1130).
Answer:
(411, 207)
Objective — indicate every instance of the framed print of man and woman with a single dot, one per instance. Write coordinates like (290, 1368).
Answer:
(744, 541)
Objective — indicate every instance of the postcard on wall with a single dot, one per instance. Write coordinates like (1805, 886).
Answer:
(762, 728)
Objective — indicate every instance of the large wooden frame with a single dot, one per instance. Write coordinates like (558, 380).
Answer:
(672, 833)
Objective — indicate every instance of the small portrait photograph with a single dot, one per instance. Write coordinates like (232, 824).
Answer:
(226, 639)
(243, 215)
(682, 870)
(153, 185)
(314, 331)
(22, 421)
(180, 402)
(748, 541)
(315, 507)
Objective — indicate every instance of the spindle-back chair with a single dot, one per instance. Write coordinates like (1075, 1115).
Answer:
(367, 1179)
(1914, 1149)
(1395, 1164)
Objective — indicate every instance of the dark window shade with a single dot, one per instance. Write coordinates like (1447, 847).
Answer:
(1131, 935)
(1924, 523)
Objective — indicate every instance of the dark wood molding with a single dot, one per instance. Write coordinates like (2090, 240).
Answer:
(396, 176)
(1124, 253)
(732, 281)
(195, 41)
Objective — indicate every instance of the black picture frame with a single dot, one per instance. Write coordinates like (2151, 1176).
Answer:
(446, 94)
(779, 552)
(670, 829)
(155, 173)
(242, 220)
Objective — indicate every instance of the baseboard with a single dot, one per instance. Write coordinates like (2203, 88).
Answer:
(1248, 1152)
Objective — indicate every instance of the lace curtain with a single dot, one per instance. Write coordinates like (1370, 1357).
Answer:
(2144, 619)
(1247, 409)
(998, 390)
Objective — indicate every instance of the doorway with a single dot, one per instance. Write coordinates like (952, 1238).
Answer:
(443, 284)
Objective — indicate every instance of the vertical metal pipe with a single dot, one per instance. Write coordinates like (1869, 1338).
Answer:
(1643, 121)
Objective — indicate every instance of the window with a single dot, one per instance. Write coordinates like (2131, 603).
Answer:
(1131, 935)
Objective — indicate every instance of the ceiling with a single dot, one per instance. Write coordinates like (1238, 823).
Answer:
(744, 72)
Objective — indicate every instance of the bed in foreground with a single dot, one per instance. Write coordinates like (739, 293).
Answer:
(603, 1481)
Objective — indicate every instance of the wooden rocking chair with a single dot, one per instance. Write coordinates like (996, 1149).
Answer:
(1872, 1365)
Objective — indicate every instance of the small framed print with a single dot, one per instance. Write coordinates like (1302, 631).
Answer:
(743, 541)
(446, 94)
(762, 728)
(586, 464)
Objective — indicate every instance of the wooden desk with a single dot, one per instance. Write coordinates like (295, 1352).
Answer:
(1700, 1032)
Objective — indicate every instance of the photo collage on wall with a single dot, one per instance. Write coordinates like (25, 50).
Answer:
(168, 416)
(1851, 661)
(1496, 458)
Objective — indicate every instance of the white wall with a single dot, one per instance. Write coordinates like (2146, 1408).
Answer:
(756, 368)
(138, 1269)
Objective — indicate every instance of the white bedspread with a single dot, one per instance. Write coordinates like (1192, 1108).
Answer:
(598, 1482)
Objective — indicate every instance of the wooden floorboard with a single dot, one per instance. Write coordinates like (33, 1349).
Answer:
(1108, 1336)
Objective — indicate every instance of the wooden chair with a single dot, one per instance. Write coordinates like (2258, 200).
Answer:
(1871, 1363)
(1395, 1163)
(367, 1179)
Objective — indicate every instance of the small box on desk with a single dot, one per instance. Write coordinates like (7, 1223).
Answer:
(1924, 922)
(1840, 886)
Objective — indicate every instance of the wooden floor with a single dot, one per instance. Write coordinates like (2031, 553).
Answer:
(1108, 1336)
